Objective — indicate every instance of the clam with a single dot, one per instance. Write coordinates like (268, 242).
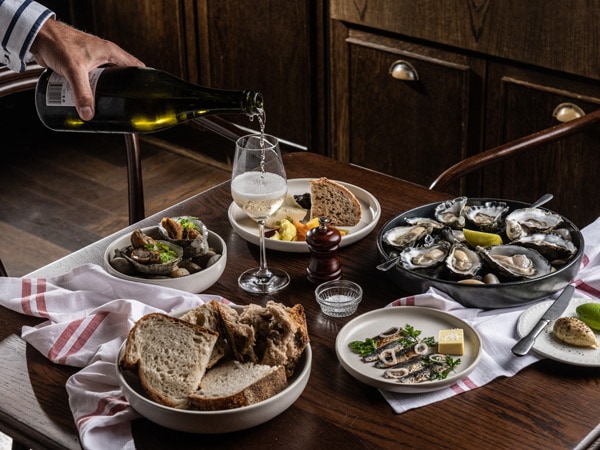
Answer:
(160, 258)
(516, 262)
(188, 232)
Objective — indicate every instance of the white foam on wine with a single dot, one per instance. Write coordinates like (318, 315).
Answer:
(259, 195)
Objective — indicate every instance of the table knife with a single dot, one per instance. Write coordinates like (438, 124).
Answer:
(522, 347)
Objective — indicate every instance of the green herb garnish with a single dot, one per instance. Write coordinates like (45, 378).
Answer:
(363, 348)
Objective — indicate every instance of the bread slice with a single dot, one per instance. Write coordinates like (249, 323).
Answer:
(207, 316)
(273, 334)
(233, 384)
(170, 357)
(334, 201)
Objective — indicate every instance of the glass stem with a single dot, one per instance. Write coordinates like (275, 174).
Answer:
(263, 270)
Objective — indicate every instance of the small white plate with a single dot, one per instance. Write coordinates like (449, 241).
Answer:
(429, 321)
(371, 212)
(548, 345)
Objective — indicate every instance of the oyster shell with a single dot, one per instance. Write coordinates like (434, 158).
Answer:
(149, 267)
(462, 261)
(525, 221)
(516, 262)
(407, 235)
(552, 246)
(487, 217)
(425, 257)
(450, 212)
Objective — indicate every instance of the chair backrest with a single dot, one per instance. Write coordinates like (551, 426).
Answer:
(515, 148)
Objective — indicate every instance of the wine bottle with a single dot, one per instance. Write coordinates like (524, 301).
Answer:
(136, 100)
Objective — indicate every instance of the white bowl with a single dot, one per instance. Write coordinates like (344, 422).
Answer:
(194, 283)
(213, 422)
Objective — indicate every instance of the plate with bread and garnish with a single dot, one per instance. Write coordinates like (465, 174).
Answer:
(203, 371)
(349, 208)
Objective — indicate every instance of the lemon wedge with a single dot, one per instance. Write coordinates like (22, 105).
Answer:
(479, 238)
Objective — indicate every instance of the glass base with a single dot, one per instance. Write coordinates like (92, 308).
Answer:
(250, 282)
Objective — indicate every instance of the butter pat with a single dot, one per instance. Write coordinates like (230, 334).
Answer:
(451, 342)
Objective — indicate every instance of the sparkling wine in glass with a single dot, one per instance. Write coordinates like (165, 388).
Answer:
(259, 187)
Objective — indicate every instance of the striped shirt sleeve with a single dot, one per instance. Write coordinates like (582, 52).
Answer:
(20, 21)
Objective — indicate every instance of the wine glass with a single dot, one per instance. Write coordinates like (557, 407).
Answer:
(259, 187)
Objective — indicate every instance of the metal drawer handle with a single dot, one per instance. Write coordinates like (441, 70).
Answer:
(401, 70)
(566, 112)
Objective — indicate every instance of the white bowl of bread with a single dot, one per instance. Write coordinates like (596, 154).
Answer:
(184, 373)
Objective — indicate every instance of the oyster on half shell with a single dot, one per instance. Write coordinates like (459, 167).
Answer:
(462, 261)
(525, 221)
(450, 212)
(425, 257)
(407, 235)
(516, 262)
(487, 217)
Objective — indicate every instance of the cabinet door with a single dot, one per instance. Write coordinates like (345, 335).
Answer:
(272, 46)
(156, 31)
(521, 102)
(410, 129)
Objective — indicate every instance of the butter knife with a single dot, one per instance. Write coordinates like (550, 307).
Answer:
(522, 347)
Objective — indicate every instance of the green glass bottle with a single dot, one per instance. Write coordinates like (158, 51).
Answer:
(136, 100)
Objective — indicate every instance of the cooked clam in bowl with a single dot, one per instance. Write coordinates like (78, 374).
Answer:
(484, 253)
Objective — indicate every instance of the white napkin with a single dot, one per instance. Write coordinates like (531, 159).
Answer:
(497, 329)
(89, 314)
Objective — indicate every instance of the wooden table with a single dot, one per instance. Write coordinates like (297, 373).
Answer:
(548, 405)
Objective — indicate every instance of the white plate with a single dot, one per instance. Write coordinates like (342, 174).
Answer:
(195, 283)
(548, 345)
(211, 422)
(429, 321)
(371, 211)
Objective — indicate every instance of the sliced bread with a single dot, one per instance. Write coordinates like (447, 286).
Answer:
(170, 357)
(232, 384)
(334, 201)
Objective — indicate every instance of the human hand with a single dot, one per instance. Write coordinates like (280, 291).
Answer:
(73, 54)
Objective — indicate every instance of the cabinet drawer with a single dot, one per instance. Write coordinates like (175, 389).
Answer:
(522, 101)
(410, 129)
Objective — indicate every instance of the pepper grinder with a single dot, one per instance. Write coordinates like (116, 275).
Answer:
(323, 242)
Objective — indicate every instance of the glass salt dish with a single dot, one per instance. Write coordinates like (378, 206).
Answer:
(338, 298)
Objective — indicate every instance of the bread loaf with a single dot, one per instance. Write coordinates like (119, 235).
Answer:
(170, 357)
(334, 201)
(233, 384)
(207, 315)
(273, 334)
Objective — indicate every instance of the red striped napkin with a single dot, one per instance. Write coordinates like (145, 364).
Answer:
(89, 314)
(497, 329)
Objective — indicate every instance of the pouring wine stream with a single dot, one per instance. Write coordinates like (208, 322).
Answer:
(387, 265)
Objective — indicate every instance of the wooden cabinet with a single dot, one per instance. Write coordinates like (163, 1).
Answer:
(392, 112)
(484, 79)
(272, 46)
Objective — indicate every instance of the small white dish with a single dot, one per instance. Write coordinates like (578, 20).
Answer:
(195, 283)
(546, 344)
(371, 212)
(338, 298)
(213, 422)
(429, 321)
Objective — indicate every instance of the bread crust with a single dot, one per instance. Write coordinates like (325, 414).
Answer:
(265, 387)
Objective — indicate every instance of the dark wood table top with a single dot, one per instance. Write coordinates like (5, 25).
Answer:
(547, 405)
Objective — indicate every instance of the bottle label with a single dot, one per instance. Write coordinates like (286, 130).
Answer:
(60, 93)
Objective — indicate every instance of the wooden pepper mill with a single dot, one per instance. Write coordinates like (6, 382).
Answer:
(323, 242)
